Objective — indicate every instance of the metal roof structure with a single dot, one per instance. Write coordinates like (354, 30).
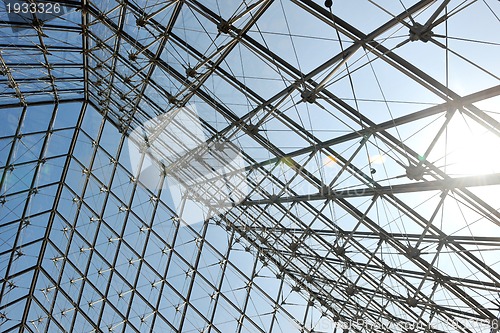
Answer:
(309, 168)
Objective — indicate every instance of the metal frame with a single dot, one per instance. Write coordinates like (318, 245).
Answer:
(294, 241)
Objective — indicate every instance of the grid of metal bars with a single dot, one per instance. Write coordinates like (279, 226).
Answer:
(359, 213)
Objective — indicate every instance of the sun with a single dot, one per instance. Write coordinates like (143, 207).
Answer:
(467, 148)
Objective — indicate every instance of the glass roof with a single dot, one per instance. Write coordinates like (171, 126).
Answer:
(250, 166)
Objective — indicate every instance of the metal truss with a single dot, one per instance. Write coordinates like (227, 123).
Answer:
(371, 173)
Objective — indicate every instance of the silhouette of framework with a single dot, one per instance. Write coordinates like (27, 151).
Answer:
(362, 211)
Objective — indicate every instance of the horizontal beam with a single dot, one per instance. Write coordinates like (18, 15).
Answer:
(434, 185)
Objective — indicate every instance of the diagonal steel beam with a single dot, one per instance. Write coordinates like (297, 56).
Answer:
(462, 102)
